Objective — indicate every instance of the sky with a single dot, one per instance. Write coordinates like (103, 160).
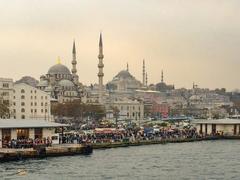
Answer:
(190, 40)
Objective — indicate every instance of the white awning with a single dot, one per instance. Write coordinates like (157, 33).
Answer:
(28, 123)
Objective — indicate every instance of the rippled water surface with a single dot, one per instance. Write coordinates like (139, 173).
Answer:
(198, 160)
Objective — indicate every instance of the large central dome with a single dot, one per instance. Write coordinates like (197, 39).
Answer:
(58, 69)
(124, 74)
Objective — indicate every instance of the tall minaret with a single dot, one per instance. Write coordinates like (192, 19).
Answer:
(143, 73)
(127, 68)
(162, 77)
(100, 68)
(74, 63)
(146, 79)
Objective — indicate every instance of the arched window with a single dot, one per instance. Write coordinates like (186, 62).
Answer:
(22, 91)
(22, 103)
(22, 110)
(23, 116)
(22, 97)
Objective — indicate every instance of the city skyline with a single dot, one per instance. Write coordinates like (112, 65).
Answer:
(186, 40)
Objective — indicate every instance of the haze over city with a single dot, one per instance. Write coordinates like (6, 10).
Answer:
(192, 41)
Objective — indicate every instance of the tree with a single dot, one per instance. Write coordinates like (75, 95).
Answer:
(78, 111)
(4, 108)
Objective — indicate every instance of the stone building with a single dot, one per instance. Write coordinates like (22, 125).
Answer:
(30, 103)
(128, 109)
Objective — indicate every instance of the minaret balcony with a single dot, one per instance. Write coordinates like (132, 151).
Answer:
(100, 56)
(100, 74)
(100, 65)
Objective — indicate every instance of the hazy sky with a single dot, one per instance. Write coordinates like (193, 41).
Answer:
(191, 40)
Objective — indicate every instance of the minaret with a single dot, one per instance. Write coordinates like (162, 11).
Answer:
(74, 63)
(146, 79)
(100, 69)
(143, 73)
(162, 77)
(127, 67)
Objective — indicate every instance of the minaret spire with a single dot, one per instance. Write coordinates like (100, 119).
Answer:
(143, 73)
(162, 77)
(127, 67)
(74, 61)
(74, 48)
(100, 68)
(74, 64)
(100, 41)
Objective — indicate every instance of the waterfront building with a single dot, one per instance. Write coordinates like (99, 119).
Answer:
(128, 109)
(160, 109)
(222, 126)
(60, 83)
(6, 93)
(30, 103)
(26, 129)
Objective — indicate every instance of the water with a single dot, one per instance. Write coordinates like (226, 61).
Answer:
(198, 160)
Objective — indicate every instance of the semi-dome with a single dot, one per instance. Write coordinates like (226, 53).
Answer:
(66, 83)
(58, 69)
(43, 83)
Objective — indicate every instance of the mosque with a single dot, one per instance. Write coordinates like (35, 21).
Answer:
(124, 82)
(60, 83)
(64, 86)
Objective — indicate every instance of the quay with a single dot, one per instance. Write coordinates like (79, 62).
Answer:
(10, 154)
(164, 141)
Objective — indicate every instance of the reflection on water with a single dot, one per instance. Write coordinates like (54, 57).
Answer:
(199, 160)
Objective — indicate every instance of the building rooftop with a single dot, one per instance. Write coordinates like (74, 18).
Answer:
(28, 123)
(218, 121)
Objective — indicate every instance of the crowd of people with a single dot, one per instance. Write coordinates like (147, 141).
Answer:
(129, 136)
(28, 143)
(116, 135)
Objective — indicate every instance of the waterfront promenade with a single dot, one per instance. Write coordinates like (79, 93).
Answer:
(8, 154)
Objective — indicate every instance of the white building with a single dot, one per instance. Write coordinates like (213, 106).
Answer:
(128, 109)
(30, 103)
(221, 126)
(6, 92)
(25, 129)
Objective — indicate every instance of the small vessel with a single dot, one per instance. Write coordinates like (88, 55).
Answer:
(21, 172)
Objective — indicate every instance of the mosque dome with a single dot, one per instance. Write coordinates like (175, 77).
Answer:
(58, 69)
(66, 83)
(124, 74)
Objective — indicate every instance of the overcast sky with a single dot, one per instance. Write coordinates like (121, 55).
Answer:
(191, 40)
